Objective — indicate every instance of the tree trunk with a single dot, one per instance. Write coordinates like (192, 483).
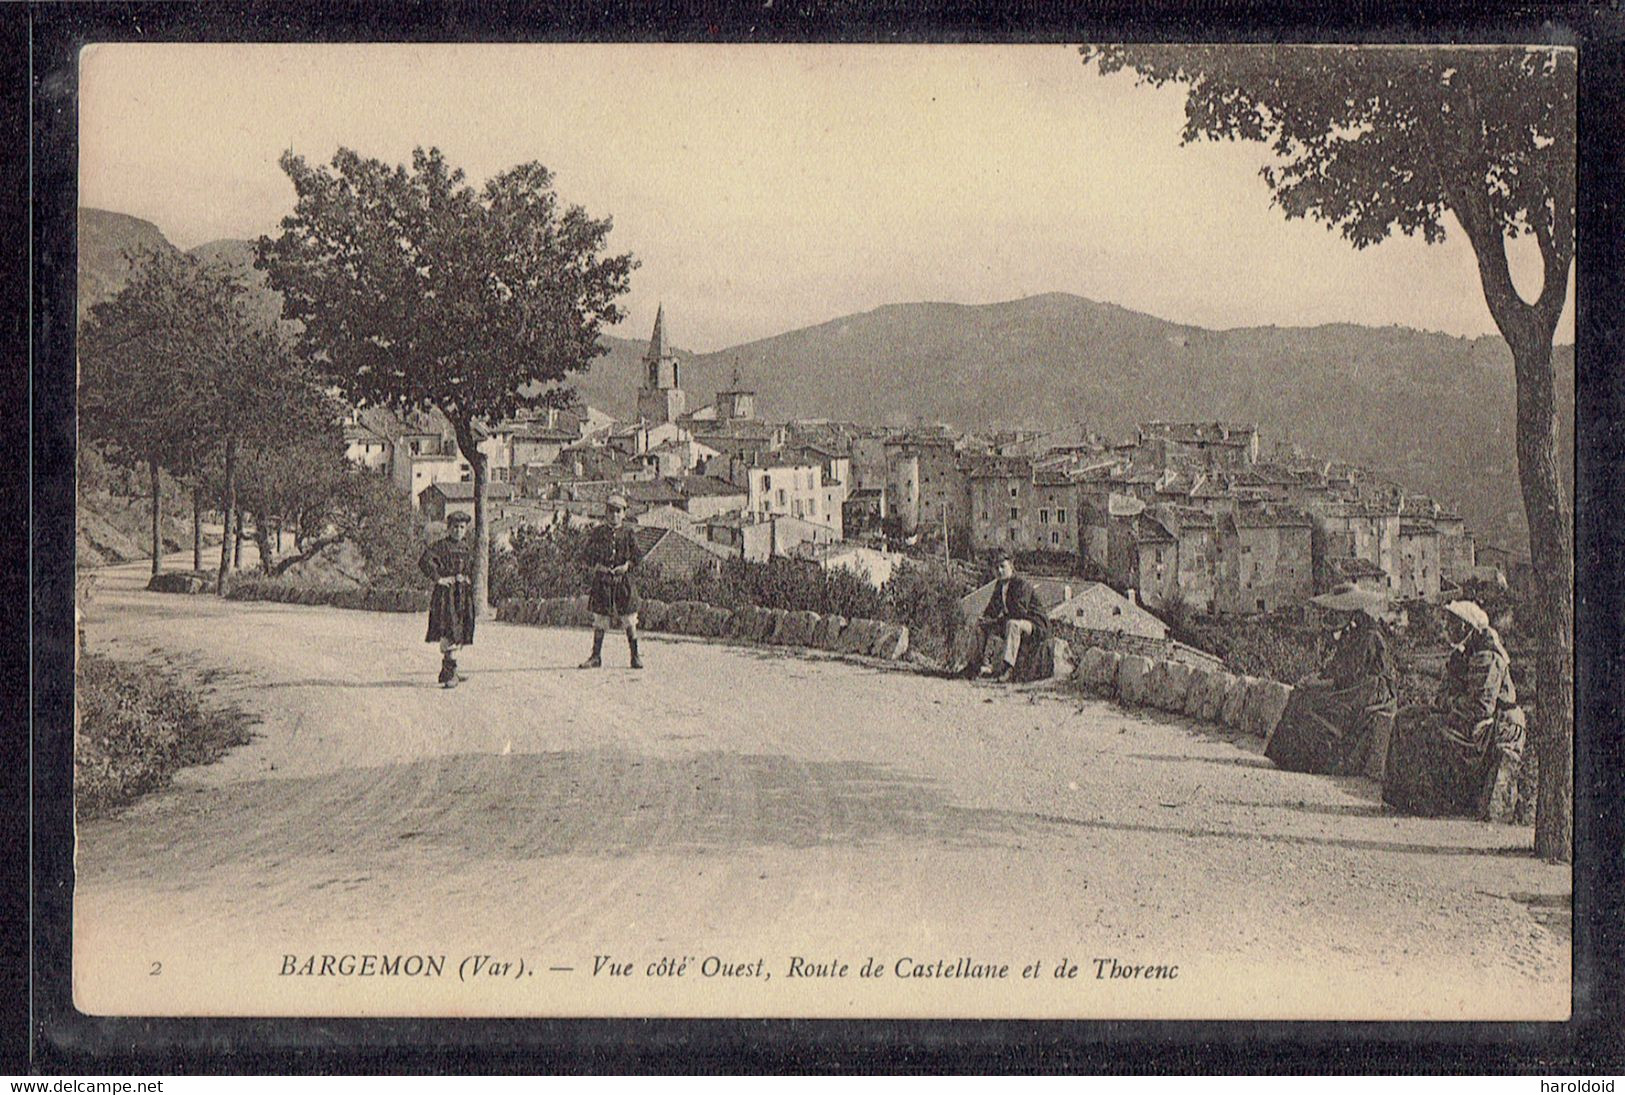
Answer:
(279, 536)
(157, 518)
(228, 503)
(237, 540)
(1528, 330)
(1551, 550)
(197, 528)
(482, 526)
(262, 542)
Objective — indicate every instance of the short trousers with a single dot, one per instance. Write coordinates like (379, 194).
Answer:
(614, 623)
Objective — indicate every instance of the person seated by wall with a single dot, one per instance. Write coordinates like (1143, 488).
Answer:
(1330, 724)
(1461, 753)
(1015, 613)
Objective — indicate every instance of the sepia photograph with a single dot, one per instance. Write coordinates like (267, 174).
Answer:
(996, 531)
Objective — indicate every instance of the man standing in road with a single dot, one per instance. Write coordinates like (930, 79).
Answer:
(613, 595)
(1013, 611)
(450, 563)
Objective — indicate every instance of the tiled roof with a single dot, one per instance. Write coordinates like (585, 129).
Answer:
(1271, 517)
(1146, 529)
(702, 486)
(463, 491)
(1001, 467)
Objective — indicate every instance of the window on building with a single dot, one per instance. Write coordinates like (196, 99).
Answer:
(1159, 555)
(1060, 517)
(1013, 492)
(1055, 537)
(1261, 605)
(781, 496)
(1015, 514)
(1043, 516)
(1010, 534)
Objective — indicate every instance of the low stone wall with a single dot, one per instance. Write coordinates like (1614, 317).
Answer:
(365, 599)
(752, 624)
(1248, 704)
(1121, 642)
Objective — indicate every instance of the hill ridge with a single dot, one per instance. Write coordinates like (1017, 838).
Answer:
(1435, 411)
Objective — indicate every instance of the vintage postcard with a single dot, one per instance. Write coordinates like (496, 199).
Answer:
(985, 531)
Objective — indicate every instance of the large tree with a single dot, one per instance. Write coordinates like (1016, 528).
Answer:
(144, 358)
(416, 291)
(1371, 140)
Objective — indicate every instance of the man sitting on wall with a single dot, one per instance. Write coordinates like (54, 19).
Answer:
(1015, 612)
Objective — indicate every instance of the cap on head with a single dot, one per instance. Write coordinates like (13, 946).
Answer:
(616, 501)
(459, 517)
(1470, 612)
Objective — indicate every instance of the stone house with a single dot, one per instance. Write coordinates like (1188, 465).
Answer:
(1204, 444)
(1417, 571)
(1142, 555)
(440, 500)
(1055, 510)
(925, 485)
(1196, 553)
(1265, 560)
(1003, 503)
(706, 496)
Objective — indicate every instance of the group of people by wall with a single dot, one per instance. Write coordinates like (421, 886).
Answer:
(1458, 752)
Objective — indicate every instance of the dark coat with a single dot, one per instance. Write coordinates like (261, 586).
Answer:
(612, 594)
(451, 607)
(1330, 723)
(1447, 756)
(1016, 599)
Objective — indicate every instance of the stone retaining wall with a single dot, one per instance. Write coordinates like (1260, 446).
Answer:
(1248, 704)
(752, 624)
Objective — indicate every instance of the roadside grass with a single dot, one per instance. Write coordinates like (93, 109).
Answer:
(137, 726)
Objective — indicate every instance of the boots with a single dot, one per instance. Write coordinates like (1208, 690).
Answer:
(448, 671)
(632, 645)
(1006, 671)
(597, 658)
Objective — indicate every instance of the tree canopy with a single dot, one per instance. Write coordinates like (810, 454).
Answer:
(1375, 140)
(415, 290)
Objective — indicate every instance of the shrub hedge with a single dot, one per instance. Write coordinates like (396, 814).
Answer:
(135, 728)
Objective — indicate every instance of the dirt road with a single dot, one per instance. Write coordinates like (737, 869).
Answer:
(752, 815)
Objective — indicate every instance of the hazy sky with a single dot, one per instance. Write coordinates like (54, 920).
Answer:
(766, 188)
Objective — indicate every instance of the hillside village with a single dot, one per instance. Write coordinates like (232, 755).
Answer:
(1199, 515)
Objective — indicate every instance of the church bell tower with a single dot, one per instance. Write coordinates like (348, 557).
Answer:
(660, 399)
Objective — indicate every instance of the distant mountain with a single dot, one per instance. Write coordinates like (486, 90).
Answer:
(237, 257)
(1435, 412)
(107, 244)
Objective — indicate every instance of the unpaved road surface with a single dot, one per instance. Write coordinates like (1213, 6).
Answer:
(742, 809)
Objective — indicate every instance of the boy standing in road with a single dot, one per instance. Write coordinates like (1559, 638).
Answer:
(613, 596)
(450, 563)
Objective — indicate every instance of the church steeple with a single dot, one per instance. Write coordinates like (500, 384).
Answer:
(660, 399)
(657, 344)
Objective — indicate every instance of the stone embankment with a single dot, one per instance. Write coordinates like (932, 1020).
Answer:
(775, 626)
(1251, 705)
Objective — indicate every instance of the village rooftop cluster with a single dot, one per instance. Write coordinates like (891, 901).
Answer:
(1187, 512)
